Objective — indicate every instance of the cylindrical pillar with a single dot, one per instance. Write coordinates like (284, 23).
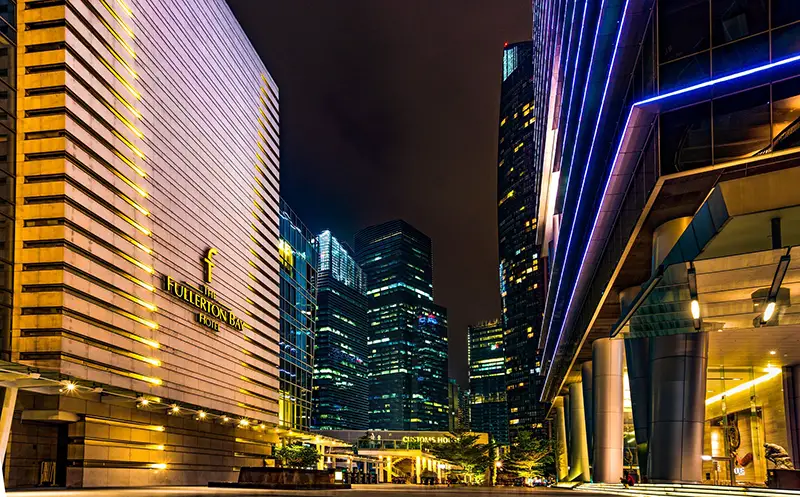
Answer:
(637, 357)
(561, 440)
(389, 469)
(678, 366)
(607, 360)
(578, 449)
(588, 409)
(665, 237)
(418, 468)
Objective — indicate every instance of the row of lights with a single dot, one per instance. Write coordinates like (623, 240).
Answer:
(68, 386)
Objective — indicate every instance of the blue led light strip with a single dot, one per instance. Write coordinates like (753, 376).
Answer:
(651, 100)
(588, 165)
(563, 144)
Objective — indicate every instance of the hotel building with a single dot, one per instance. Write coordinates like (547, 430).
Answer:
(141, 321)
(670, 163)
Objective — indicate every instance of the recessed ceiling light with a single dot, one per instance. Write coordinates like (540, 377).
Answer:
(772, 352)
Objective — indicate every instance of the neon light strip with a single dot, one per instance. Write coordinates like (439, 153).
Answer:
(563, 144)
(586, 170)
(642, 103)
(723, 79)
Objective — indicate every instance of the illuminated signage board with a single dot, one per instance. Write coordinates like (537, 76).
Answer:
(205, 299)
(435, 440)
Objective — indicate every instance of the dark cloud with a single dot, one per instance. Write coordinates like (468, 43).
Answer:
(389, 109)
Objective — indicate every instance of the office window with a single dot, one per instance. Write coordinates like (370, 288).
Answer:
(786, 41)
(685, 72)
(786, 114)
(743, 54)
(686, 139)
(684, 26)
(741, 124)
(784, 12)
(735, 19)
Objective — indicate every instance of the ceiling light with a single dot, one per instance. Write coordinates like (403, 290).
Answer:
(695, 309)
(175, 409)
(201, 415)
(769, 311)
(143, 402)
(772, 352)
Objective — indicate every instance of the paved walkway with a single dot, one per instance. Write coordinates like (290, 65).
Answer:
(356, 491)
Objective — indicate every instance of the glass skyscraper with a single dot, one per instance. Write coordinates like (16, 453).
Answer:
(408, 332)
(341, 375)
(521, 276)
(487, 380)
(298, 257)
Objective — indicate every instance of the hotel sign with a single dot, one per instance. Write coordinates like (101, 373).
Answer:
(204, 299)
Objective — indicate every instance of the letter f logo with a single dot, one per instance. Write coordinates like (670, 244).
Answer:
(209, 263)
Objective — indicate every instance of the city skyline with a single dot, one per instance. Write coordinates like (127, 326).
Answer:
(420, 145)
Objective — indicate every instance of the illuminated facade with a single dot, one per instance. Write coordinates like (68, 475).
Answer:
(341, 374)
(670, 225)
(298, 255)
(408, 332)
(487, 380)
(521, 276)
(141, 339)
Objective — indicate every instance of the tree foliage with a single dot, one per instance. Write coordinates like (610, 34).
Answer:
(465, 451)
(530, 456)
(296, 456)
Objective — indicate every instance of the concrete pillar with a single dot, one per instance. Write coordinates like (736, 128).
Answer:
(578, 448)
(6, 416)
(679, 365)
(588, 409)
(418, 468)
(607, 360)
(321, 460)
(389, 469)
(561, 440)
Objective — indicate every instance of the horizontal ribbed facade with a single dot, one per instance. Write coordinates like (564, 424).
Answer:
(147, 135)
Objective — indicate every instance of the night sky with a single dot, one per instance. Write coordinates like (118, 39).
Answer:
(389, 109)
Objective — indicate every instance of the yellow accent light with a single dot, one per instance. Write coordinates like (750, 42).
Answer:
(116, 16)
(125, 7)
(158, 466)
(154, 381)
(772, 372)
(152, 360)
(201, 415)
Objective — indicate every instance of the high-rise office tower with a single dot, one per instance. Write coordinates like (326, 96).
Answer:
(487, 380)
(341, 375)
(298, 257)
(521, 276)
(408, 332)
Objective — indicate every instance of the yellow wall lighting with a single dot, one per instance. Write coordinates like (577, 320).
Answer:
(113, 422)
(125, 7)
(771, 373)
(158, 466)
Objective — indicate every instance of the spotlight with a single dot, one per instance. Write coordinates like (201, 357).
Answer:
(68, 386)
(143, 402)
(244, 423)
(201, 415)
(225, 419)
(175, 409)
